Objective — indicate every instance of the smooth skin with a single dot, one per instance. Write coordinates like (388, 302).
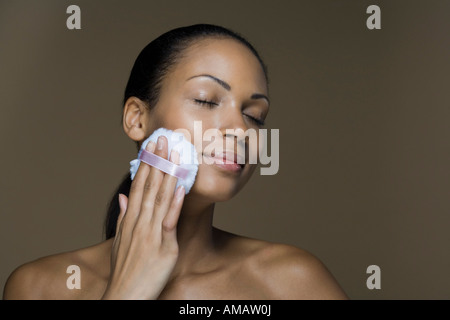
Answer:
(166, 246)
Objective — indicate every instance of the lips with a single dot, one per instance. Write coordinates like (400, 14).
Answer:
(227, 158)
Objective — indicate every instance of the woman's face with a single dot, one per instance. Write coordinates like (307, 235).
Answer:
(222, 84)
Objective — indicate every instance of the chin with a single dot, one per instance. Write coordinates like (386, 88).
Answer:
(214, 185)
(211, 195)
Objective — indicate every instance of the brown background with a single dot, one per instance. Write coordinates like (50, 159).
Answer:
(363, 118)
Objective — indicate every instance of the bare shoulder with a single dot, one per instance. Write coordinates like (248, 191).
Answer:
(297, 274)
(46, 278)
(290, 273)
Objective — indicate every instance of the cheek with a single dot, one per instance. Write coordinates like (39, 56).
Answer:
(183, 117)
(172, 116)
(255, 144)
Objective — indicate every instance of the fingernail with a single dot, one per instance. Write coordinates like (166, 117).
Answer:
(121, 201)
(180, 192)
(160, 143)
(175, 157)
(151, 146)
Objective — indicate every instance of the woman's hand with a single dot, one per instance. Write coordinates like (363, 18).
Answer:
(145, 247)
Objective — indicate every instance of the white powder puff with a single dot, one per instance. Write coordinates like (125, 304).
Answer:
(176, 141)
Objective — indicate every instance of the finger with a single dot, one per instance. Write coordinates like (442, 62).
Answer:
(165, 194)
(136, 193)
(169, 224)
(123, 203)
(152, 184)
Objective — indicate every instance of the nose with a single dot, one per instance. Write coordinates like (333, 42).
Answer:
(233, 124)
(234, 130)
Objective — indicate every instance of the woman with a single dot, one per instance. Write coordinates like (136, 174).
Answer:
(161, 243)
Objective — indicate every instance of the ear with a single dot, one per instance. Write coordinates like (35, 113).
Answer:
(135, 119)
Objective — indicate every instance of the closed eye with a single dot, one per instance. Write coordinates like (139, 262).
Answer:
(206, 102)
(212, 104)
(259, 122)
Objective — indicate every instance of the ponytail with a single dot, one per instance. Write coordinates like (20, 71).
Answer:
(114, 208)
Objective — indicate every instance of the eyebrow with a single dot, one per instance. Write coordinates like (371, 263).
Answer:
(227, 87)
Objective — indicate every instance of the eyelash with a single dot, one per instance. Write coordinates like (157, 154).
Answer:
(212, 104)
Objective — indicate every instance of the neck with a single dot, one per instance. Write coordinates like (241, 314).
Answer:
(194, 234)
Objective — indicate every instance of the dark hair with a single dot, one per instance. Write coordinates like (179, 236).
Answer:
(148, 71)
